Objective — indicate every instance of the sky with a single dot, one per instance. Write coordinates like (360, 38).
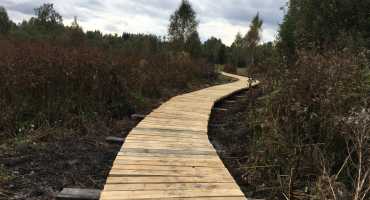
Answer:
(219, 18)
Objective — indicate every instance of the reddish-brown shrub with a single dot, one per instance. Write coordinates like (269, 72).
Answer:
(43, 83)
(230, 68)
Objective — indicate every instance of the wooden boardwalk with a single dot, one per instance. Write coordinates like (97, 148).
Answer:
(168, 155)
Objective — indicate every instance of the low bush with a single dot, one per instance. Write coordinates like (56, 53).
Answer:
(44, 83)
(311, 132)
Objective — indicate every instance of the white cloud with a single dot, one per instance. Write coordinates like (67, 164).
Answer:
(221, 19)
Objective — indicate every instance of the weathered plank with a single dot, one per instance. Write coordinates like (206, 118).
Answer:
(168, 186)
(78, 194)
(117, 195)
(115, 140)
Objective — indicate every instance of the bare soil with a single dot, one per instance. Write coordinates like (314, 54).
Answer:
(230, 135)
(37, 165)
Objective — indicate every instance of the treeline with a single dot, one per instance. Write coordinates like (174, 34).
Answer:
(310, 133)
(48, 25)
(51, 74)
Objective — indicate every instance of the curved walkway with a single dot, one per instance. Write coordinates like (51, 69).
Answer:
(168, 155)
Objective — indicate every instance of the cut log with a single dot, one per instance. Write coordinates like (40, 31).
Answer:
(115, 140)
(138, 117)
(220, 109)
(78, 194)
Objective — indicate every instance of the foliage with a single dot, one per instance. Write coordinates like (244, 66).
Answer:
(309, 135)
(47, 16)
(253, 37)
(299, 128)
(322, 23)
(243, 50)
(215, 51)
(267, 64)
(193, 45)
(5, 23)
(238, 51)
(183, 24)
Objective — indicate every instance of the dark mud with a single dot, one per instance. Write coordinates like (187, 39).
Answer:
(37, 165)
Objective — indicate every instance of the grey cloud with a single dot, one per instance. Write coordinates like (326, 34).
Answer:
(240, 12)
(112, 28)
(106, 13)
(26, 8)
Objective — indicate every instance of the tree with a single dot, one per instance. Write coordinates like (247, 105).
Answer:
(287, 35)
(76, 34)
(238, 42)
(47, 16)
(75, 24)
(194, 45)
(238, 51)
(253, 37)
(221, 55)
(5, 23)
(215, 51)
(183, 24)
(323, 24)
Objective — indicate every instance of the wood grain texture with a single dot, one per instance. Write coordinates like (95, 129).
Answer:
(168, 155)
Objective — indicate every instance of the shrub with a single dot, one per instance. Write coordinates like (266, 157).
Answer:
(299, 131)
(44, 83)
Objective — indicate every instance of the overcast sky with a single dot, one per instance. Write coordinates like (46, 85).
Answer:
(219, 18)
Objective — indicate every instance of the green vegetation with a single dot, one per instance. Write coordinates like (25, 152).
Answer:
(310, 131)
(5, 23)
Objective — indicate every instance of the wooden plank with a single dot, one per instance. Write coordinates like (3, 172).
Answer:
(168, 155)
(167, 152)
(169, 136)
(169, 130)
(199, 198)
(169, 143)
(170, 146)
(215, 164)
(164, 126)
(156, 179)
(78, 194)
(168, 168)
(210, 160)
(142, 138)
(115, 195)
(168, 186)
(115, 140)
(220, 109)
(170, 173)
(178, 134)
